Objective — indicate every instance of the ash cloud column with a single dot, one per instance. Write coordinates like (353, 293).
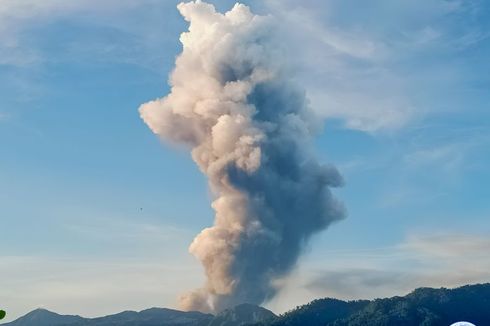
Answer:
(250, 129)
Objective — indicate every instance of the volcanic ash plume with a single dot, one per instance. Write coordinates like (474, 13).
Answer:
(249, 128)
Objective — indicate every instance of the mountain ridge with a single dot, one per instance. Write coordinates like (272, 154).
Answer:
(423, 306)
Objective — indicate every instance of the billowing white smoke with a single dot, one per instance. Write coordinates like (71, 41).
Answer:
(249, 128)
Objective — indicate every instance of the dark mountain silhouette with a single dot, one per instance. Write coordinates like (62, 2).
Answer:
(424, 306)
(43, 317)
(152, 317)
(244, 314)
(149, 317)
(319, 312)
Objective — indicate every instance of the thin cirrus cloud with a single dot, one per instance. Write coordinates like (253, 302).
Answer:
(345, 71)
(17, 17)
(115, 34)
(445, 259)
(377, 272)
(386, 72)
(354, 70)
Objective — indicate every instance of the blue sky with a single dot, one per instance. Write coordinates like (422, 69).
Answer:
(97, 213)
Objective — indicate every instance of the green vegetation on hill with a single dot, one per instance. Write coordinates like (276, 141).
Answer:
(320, 312)
(241, 315)
(424, 307)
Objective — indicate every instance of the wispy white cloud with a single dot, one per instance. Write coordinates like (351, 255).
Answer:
(447, 153)
(342, 70)
(20, 19)
(360, 110)
(449, 248)
(422, 165)
(445, 259)
(354, 70)
(16, 17)
(361, 70)
(447, 157)
(129, 229)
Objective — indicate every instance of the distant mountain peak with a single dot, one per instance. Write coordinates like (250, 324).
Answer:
(41, 311)
(44, 317)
